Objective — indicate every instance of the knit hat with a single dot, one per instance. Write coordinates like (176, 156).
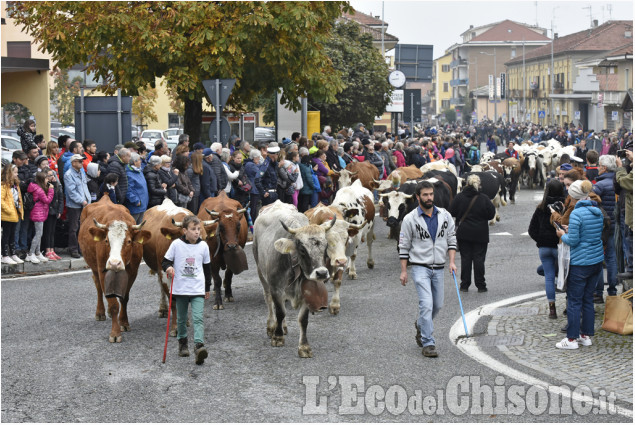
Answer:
(91, 169)
(580, 189)
(40, 159)
(198, 145)
(566, 167)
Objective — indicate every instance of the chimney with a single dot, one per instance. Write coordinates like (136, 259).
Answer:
(471, 26)
(595, 23)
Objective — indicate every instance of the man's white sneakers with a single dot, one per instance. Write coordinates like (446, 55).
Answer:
(565, 344)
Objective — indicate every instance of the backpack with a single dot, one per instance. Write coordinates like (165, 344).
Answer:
(475, 156)
(246, 184)
(27, 202)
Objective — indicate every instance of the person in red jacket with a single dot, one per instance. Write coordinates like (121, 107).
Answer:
(42, 191)
(510, 152)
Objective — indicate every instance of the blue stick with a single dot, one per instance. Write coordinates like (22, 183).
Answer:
(460, 303)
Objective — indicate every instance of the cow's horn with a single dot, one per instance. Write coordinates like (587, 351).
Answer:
(383, 195)
(138, 226)
(354, 173)
(99, 225)
(331, 224)
(177, 223)
(408, 196)
(209, 222)
(212, 213)
(292, 231)
(244, 209)
(357, 226)
(377, 181)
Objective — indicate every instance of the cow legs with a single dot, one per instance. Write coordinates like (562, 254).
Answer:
(352, 271)
(334, 306)
(113, 311)
(304, 350)
(100, 313)
(370, 237)
(123, 314)
(165, 292)
(218, 297)
(227, 284)
(277, 340)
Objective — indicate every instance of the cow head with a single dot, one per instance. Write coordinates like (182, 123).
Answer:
(171, 233)
(309, 244)
(397, 209)
(118, 238)
(229, 222)
(531, 160)
(346, 178)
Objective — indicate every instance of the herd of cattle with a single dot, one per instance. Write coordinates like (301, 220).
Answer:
(295, 253)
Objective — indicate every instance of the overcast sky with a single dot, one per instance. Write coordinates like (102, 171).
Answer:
(440, 23)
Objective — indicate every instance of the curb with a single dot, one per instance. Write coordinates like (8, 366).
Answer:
(30, 269)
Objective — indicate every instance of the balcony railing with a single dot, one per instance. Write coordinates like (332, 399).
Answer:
(458, 82)
(458, 62)
(457, 100)
(608, 97)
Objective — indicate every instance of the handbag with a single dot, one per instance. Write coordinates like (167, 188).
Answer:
(563, 265)
(618, 314)
(183, 199)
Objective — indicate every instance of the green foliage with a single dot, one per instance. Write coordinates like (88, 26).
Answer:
(468, 108)
(63, 95)
(363, 71)
(15, 114)
(143, 105)
(450, 115)
(264, 45)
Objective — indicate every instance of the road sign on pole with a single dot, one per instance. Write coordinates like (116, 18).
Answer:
(541, 114)
(219, 126)
(218, 92)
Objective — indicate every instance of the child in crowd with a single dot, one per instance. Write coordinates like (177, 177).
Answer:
(592, 171)
(12, 212)
(187, 262)
(109, 187)
(43, 192)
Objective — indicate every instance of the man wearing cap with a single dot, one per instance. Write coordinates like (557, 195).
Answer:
(209, 182)
(199, 147)
(77, 197)
(270, 174)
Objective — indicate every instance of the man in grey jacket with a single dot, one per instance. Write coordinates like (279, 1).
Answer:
(427, 238)
(77, 197)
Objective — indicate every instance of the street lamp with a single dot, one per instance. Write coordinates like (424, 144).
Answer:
(495, 91)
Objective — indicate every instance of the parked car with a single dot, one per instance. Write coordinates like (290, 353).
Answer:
(150, 137)
(264, 134)
(136, 132)
(57, 132)
(173, 134)
(10, 132)
(9, 144)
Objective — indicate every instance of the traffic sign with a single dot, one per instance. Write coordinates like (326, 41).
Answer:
(226, 86)
(541, 114)
(225, 131)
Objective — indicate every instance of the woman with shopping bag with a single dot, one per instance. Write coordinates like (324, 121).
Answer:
(584, 237)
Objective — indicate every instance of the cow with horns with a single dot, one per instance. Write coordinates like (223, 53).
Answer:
(165, 223)
(112, 242)
(289, 254)
(340, 239)
(226, 245)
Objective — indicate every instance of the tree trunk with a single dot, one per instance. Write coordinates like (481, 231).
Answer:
(193, 119)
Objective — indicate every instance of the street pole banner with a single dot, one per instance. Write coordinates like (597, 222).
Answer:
(491, 87)
(503, 85)
(396, 102)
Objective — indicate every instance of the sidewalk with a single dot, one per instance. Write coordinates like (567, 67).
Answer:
(606, 365)
(67, 263)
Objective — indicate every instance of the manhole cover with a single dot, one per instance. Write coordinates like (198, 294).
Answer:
(515, 311)
(494, 340)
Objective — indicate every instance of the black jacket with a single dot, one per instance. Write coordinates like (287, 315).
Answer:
(333, 160)
(116, 166)
(156, 193)
(57, 204)
(540, 228)
(219, 170)
(475, 227)
(209, 182)
(169, 178)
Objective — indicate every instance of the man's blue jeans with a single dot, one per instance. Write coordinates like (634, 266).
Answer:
(580, 288)
(22, 233)
(429, 285)
(549, 260)
(610, 259)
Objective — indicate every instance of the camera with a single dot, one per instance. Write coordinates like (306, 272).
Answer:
(557, 206)
(621, 153)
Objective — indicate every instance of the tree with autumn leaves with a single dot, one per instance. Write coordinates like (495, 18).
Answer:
(265, 46)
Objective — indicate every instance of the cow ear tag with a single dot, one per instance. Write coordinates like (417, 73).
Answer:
(140, 241)
(96, 238)
(168, 236)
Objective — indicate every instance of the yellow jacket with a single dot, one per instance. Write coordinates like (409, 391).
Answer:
(9, 212)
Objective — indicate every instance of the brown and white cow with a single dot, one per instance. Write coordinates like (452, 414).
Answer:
(164, 223)
(400, 176)
(365, 172)
(226, 248)
(338, 239)
(356, 204)
(111, 243)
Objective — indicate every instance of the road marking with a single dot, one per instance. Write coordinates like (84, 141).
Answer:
(524, 234)
(476, 353)
(45, 275)
(501, 234)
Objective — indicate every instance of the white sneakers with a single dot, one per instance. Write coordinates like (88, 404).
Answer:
(17, 259)
(565, 344)
(42, 258)
(8, 260)
(32, 258)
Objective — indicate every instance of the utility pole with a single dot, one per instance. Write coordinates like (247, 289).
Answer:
(551, 70)
(383, 52)
(524, 84)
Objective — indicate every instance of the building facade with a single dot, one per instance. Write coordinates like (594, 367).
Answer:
(441, 92)
(588, 67)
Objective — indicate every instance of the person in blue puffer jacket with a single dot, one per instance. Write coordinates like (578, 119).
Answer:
(605, 189)
(137, 195)
(584, 237)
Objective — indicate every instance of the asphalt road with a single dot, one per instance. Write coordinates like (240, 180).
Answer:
(57, 364)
